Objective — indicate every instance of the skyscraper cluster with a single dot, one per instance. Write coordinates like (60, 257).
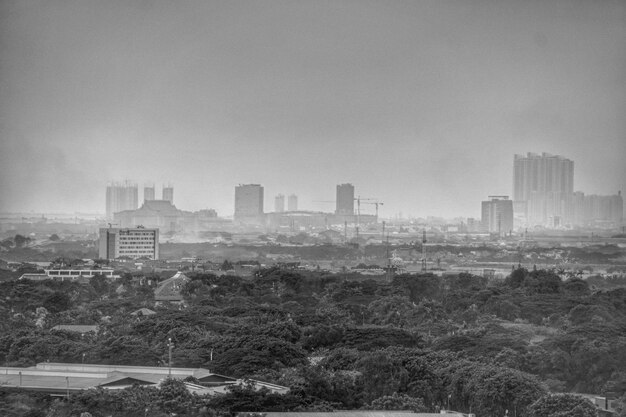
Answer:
(121, 196)
(543, 194)
(279, 203)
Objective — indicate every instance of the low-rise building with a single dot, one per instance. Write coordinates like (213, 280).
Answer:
(61, 379)
(133, 243)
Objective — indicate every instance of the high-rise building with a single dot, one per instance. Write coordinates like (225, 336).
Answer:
(292, 202)
(279, 203)
(148, 193)
(168, 193)
(497, 215)
(132, 243)
(120, 197)
(248, 201)
(345, 199)
(543, 185)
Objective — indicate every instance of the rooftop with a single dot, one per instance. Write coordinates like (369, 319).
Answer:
(61, 378)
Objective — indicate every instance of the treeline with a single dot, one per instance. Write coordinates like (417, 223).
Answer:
(417, 342)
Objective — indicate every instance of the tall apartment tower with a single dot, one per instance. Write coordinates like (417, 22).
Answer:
(248, 201)
(345, 199)
(148, 193)
(168, 193)
(120, 197)
(497, 215)
(279, 203)
(543, 187)
(292, 202)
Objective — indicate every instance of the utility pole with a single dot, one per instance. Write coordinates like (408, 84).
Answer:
(423, 251)
(389, 271)
(170, 345)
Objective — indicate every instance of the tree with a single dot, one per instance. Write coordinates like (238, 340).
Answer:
(100, 284)
(174, 397)
(620, 406)
(57, 301)
(398, 402)
(380, 375)
(20, 241)
(247, 398)
(562, 405)
(489, 389)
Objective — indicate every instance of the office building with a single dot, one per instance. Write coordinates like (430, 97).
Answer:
(248, 202)
(542, 186)
(119, 197)
(497, 215)
(279, 203)
(148, 193)
(132, 243)
(292, 202)
(345, 199)
(168, 194)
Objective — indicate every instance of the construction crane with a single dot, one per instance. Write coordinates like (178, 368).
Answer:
(358, 207)
(376, 203)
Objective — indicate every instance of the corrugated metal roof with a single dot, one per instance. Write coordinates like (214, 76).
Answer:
(78, 328)
(359, 413)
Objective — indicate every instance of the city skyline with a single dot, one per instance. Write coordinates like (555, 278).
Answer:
(420, 105)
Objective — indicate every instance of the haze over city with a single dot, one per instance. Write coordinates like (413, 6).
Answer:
(419, 104)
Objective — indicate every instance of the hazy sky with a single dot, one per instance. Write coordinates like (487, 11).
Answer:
(421, 104)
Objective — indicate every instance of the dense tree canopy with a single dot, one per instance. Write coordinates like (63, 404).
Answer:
(416, 342)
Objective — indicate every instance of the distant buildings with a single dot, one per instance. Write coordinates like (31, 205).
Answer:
(163, 215)
(249, 203)
(148, 193)
(345, 199)
(168, 193)
(120, 196)
(279, 203)
(597, 208)
(129, 242)
(292, 203)
(543, 194)
(497, 215)
(542, 186)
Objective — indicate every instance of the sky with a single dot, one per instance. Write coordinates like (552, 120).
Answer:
(420, 104)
